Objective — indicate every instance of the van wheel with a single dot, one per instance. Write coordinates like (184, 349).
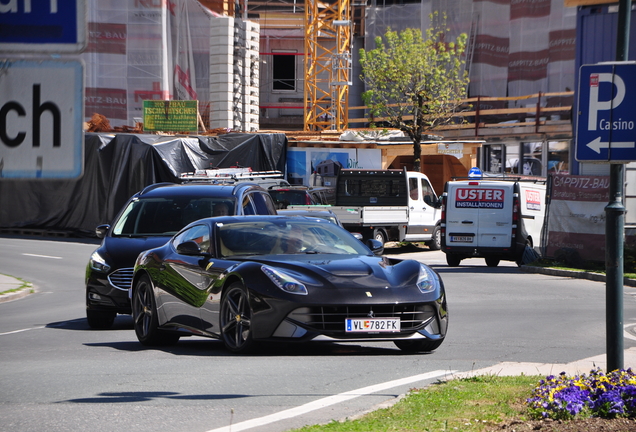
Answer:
(379, 235)
(436, 240)
(452, 260)
(492, 262)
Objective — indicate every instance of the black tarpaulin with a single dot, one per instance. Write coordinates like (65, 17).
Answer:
(118, 165)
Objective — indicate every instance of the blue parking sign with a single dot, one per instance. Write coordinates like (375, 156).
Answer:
(606, 118)
(43, 26)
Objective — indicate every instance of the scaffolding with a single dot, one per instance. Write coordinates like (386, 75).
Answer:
(328, 29)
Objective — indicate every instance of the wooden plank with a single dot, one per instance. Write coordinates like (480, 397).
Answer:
(575, 3)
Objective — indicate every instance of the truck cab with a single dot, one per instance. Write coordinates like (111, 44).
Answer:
(388, 205)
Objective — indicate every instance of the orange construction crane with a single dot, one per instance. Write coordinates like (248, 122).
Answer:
(328, 29)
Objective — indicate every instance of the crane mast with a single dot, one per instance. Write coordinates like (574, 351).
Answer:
(328, 29)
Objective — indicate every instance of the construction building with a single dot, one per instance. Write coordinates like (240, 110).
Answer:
(293, 66)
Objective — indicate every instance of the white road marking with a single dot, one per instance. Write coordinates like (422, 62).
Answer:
(42, 256)
(626, 332)
(325, 402)
(22, 330)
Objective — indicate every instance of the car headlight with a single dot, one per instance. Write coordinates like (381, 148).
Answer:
(428, 280)
(98, 263)
(284, 281)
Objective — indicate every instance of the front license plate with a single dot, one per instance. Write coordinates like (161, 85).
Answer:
(463, 239)
(368, 325)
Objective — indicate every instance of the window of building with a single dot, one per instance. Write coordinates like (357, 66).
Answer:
(284, 71)
(493, 158)
(558, 157)
(537, 158)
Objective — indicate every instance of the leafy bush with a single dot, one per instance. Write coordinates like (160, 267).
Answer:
(602, 395)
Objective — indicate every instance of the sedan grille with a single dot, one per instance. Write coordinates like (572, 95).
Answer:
(331, 319)
(121, 278)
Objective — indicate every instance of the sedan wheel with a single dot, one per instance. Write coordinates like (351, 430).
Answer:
(418, 345)
(236, 319)
(100, 320)
(144, 310)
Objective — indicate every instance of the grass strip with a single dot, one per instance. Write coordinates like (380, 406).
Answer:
(467, 404)
(23, 285)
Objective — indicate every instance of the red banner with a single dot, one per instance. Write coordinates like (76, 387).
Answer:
(491, 50)
(528, 65)
(529, 8)
(107, 38)
(562, 45)
(108, 102)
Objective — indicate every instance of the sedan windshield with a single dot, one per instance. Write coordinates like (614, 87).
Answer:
(296, 236)
(166, 216)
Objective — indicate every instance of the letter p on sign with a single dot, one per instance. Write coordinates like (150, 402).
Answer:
(595, 105)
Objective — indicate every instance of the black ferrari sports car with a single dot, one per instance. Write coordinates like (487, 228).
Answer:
(254, 279)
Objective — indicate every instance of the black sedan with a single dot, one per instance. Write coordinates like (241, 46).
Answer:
(149, 219)
(253, 279)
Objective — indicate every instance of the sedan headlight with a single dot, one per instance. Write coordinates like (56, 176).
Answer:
(284, 281)
(428, 280)
(98, 263)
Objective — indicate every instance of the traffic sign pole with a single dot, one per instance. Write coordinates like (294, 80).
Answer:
(614, 225)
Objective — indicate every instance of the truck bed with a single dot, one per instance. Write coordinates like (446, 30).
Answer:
(366, 215)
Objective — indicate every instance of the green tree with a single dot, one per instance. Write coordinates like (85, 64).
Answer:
(415, 83)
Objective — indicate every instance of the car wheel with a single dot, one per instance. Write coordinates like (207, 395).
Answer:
(379, 235)
(100, 320)
(452, 260)
(492, 262)
(144, 311)
(236, 319)
(418, 345)
(436, 240)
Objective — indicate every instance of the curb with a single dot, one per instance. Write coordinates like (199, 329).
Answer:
(15, 295)
(598, 277)
(8, 283)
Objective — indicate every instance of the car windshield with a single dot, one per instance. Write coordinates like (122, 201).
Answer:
(166, 216)
(290, 236)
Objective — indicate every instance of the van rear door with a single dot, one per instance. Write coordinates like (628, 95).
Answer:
(479, 214)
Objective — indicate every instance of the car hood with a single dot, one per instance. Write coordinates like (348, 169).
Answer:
(121, 252)
(361, 271)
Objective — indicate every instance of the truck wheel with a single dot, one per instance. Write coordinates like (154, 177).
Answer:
(452, 260)
(436, 241)
(492, 262)
(379, 235)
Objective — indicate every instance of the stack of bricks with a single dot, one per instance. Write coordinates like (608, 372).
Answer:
(234, 74)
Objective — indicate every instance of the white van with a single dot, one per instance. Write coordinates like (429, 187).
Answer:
(493, 219)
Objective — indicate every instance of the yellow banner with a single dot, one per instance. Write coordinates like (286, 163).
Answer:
(171, 116)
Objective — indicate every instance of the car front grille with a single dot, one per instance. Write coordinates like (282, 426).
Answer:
(331, 319)
(121, 278)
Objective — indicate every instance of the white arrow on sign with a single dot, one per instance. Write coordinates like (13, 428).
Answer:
(597, 145)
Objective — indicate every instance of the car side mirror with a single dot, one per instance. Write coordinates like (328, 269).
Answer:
(101, 230)
(189, 248)
(376, 246)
